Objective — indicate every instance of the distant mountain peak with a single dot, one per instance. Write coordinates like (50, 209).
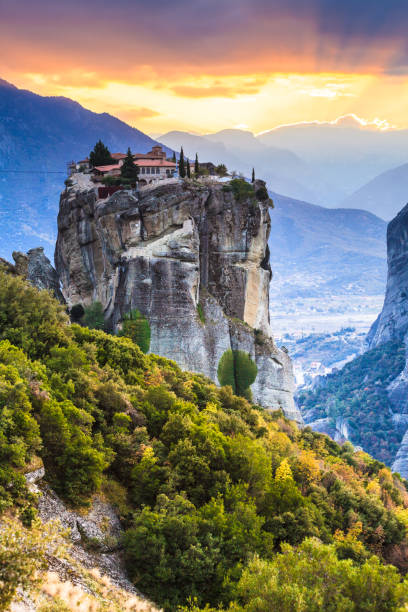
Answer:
(5, 84)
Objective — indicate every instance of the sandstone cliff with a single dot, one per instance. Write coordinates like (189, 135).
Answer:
(168, 250)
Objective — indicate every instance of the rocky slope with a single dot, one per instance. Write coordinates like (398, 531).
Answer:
(168, 250)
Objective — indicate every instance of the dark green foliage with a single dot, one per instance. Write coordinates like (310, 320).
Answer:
(196, 166)
(173, 159)
(208, 486)
(262, 194)
(237, 370)
(76, 313)
(129, 171)
(100, 156)
(136, 327)
(253, 176)
(359, 393)
(94, 316)
(182, 165)
(30, 319)
(242, 190)
(188, 170)
(221, 170)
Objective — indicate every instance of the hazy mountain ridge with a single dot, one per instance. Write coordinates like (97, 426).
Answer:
(318, 246)
(320, 162)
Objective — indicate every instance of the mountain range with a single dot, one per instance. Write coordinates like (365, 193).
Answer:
(326, 163)
(316, 251)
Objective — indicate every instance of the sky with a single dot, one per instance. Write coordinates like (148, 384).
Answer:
(206, 65)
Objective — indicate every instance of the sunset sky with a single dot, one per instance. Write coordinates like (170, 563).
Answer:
(205, 65)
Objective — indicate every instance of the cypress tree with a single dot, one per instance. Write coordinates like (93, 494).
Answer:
(182, 167)
(237, 369)
(100, 156)
(196, 166)
(188, 168)
(253, 175)
(173, 159)
(128, 170)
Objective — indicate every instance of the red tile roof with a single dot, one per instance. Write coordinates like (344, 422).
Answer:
(155, 162)
(118, 155)
(107, 168)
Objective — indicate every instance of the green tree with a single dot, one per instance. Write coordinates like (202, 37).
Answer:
(221, 169)
(253, 175)
(136, 327)
(311, 578)
(94, 316)
(196, 166)
(173, 159)
(188, 168)
(182, 166)
(129, 171)
(237, 369)
(100, 156)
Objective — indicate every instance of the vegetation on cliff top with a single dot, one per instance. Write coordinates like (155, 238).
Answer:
(222, 502)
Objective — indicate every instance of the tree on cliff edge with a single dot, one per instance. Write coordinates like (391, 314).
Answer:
(182, 167)
(129, 170)
(100, 156)
(196, 166)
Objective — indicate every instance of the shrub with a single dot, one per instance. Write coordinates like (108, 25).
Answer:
(136, 327)
(237, 370)
(262, 194)
(94, 316)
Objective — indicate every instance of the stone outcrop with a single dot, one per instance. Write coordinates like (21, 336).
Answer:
(193, 258)
(36, 268)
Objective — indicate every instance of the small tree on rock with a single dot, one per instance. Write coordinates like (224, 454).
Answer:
(196, 166)
(100, 156)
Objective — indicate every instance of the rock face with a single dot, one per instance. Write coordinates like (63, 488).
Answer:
(392, 324)
(36, 268)
(172, 251)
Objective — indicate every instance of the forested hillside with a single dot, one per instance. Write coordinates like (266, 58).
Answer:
(224, 505)
(358, 393)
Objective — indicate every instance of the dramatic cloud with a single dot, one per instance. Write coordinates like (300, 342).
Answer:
(203, 64)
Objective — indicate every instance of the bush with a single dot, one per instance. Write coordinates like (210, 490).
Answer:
(136, 327)
(94, 317)
(237, 370)
(242, 190)
(262, 194)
